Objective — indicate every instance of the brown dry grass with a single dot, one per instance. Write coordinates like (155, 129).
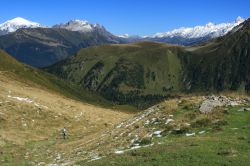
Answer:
(22, 122)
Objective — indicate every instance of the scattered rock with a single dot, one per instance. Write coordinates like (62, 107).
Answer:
(202, 132)
(41, 163)
(157, 133)
(207, 106)
(211, 102)
(147, 122)
(119, 152)
(190, 134)
(168, 121)
(230, 152)
(233, 103)
(243, 109)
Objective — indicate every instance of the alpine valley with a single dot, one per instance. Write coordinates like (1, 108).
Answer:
(145, 72)
(76, 94)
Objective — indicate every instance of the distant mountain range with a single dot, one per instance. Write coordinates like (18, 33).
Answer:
(190, 35)
(41, 46)
(209, 30)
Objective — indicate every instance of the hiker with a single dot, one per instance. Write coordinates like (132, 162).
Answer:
(64, 133)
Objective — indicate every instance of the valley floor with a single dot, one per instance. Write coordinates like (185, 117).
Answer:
(173, 132)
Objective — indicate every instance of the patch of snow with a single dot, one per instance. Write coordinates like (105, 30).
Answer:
(27, 100)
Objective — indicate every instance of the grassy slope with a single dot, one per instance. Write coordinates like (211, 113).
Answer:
(45, 80)
(224, 143)
(33, 129)
(148, 71)
(157, 58)
(221, 64)
(124, 72)
(30, 132)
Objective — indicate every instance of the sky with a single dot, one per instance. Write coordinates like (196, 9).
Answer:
(140, 17)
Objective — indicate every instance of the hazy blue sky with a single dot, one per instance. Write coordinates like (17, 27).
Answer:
(128, 16)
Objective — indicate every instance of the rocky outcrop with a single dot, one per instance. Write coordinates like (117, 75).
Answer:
(211, 102)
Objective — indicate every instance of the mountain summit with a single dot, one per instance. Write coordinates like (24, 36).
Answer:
(79, 25)
(15, 24)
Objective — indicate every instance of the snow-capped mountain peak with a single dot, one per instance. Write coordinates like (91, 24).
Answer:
(17, 23)
(210, 24)
(239, 19)
(77, 25)
(208, 30)
(124, 36)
